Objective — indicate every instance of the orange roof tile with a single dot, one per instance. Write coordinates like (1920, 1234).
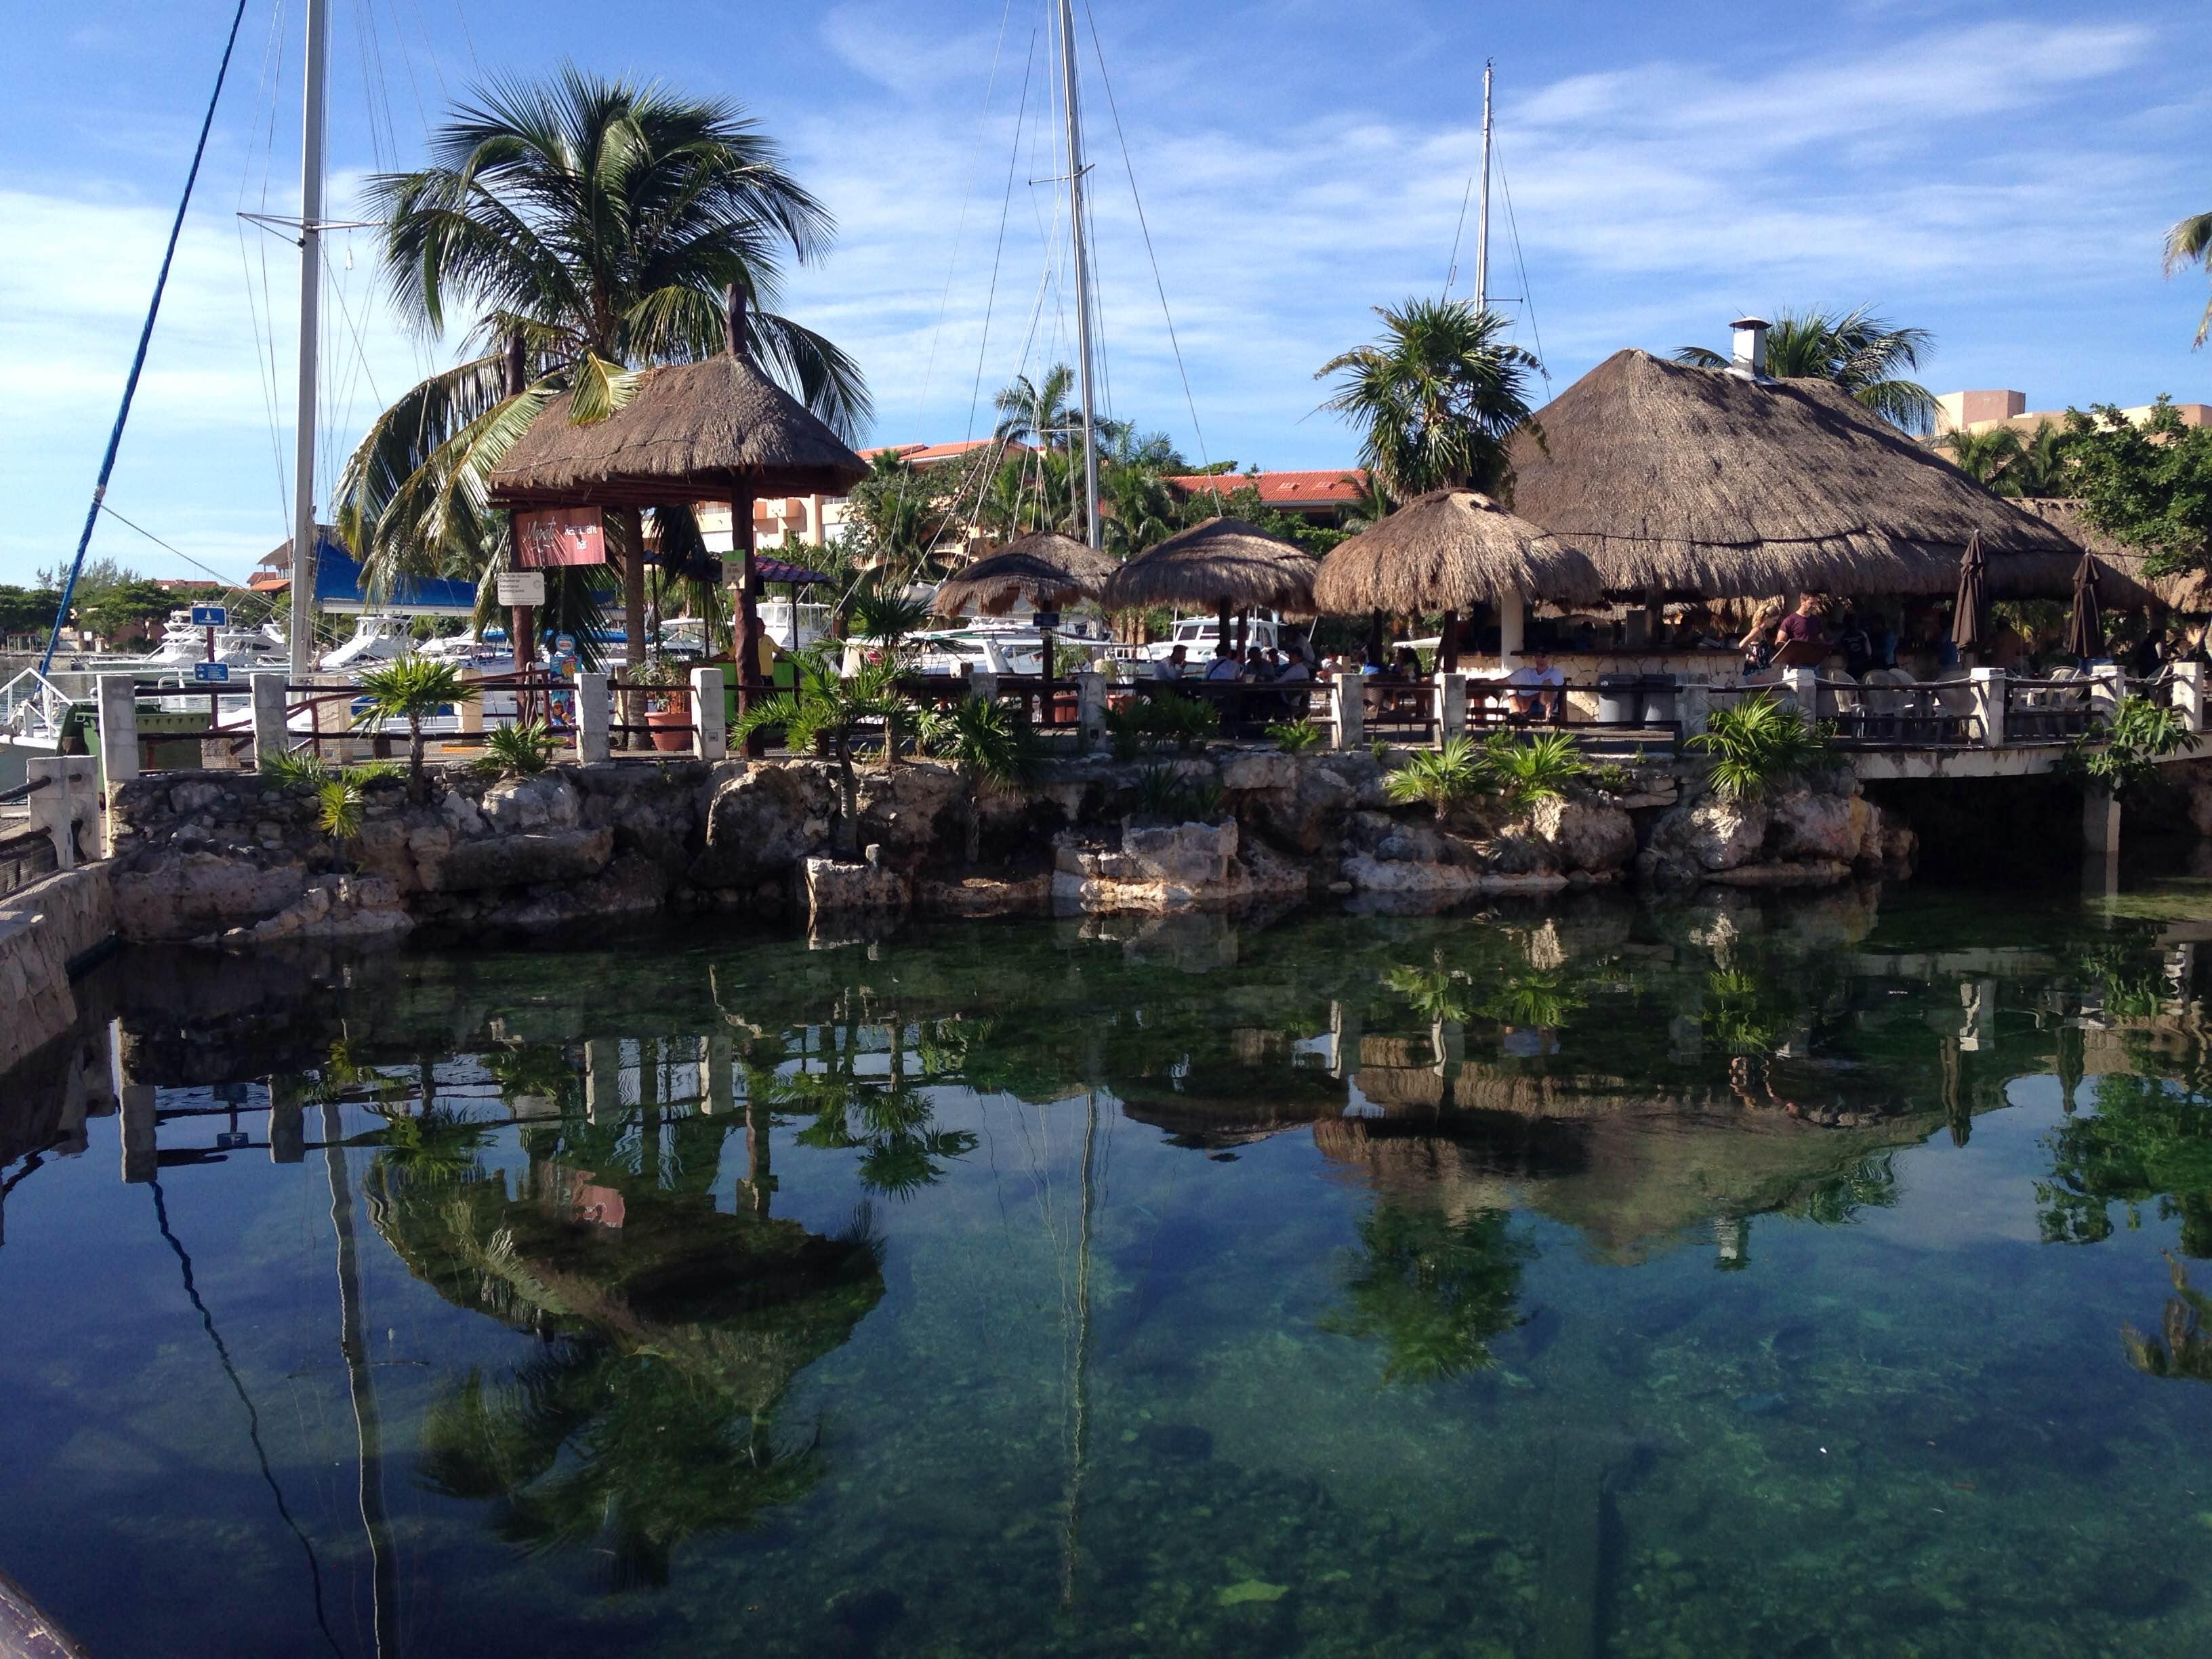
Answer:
(1281, 488)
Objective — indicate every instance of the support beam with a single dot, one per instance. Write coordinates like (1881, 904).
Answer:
(1348, 706)
(118, 729)
(1451, 707)
(710, 717)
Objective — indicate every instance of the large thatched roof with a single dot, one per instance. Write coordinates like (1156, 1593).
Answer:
(1220, 560)
(1045, 568)
(2124, 585)
(1450, 550)
(1703, 482)
(690, 432)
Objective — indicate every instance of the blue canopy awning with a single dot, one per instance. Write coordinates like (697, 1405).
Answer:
(338, 587)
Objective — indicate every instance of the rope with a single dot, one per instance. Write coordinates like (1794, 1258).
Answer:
(145, 340)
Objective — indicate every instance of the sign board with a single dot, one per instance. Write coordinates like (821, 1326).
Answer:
(1048, 622)
(521, 587)
(215, 672)
(210, 615)
(557, 536)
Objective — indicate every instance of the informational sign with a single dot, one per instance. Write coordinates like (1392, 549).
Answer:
(215, 672)
(1048, 622)
(555, 537)
(521, 587)
(210, 615)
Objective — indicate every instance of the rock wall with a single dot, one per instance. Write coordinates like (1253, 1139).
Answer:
(234, 857)
(47, 930)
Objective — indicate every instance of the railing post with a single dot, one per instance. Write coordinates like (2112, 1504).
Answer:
(1693, 708)
(1090, 708)
(1804, 685)
(1451, 707)
(118, 728)
(2189, 693)
(710, 721)
(1347, 707)
(2107, 685)
(1988, 684)
(269, 735)
(982, 686)
(593, 741)
(69, 785)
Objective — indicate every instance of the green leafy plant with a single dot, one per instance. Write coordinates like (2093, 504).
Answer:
(831, 706)
(1203, 800)
(1526, 770)
(1611, 779)
(1381, 748)
(1756, 744)
(1294, 737)
(295, 766)
(517, 751)
(1439, 778)
(1158, 793)
(992, 747)
(1126, 735)
(2123, 760)
(1184, 721)
(412, 688)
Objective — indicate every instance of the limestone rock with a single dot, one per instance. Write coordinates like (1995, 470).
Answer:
(1260, 768)
(1803, 824)
(760, 825)
(831, 886)
(1796, 872)
(1690, 842)
(1592, 835)
(527, 859)
(1180, 854)
(982, 895)
(1311, 813)
(911, 809)
(183, 896)
(546, 801)
(629, 886)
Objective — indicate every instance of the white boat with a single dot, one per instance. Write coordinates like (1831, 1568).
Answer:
(467, 650)
(378, 637)
(242, 650)
(793, 627)
(1199, 636)
(995, 646)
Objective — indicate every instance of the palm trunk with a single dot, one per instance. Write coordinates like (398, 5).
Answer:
(847, 841)
(974, 845)
(416, 783)
(891, 741)
(632, 619)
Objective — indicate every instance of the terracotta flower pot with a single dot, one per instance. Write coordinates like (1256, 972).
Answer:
(671, 730)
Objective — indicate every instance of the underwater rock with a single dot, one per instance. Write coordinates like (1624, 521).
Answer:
(859, 1619)
(1252, 1589)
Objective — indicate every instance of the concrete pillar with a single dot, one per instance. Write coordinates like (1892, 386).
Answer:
(593, 739)
(2100, 822)
(602, 1073)
(718, 1075)
(710, 719)
(1989, 694)
(1803, 686)
(71, 797)
(270, 737)
(983, 686)
(2107, 685)
(1694, 706)
(2189, 693)
(1451, 707)
(468, 717)
(139, 1156)
(1090, 708)
(117, 696)
(1347, 707)
(1512, 621)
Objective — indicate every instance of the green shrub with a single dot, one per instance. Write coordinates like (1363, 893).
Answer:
(1294, 737)
(1203, 800)
(1159, 792)
(1529, 769)
(2121, 760)
(1184, 721)
(1612, 778)
(1439, 778)
(1125, 733)
(1756, 744)
(517, 751)
(1381, 748)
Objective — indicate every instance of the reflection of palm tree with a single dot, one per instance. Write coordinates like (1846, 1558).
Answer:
(1742, 1016)
(2148, 1140)
(1544, 998)
(2187, 1348)
(1433, 1290)
(892, 1128)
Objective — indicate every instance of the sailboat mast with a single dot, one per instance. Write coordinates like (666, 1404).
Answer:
(1075, 219)
(1482, 224)
(304, 537)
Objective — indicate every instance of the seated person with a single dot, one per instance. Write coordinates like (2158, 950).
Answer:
(1295, 669)
(1170, 666)
(1536, 689)
(1406, 664)
(1256, 670)
(1224, 666)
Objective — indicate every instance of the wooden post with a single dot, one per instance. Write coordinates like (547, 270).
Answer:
(633, 524)
(748, 629)
(1375, 640)
(1221, 621)
(1243, 629)
(522, 625)
(1448, 644)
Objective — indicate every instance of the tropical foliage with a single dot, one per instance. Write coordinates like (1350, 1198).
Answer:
(520, 750)
(1432, 1290)
(1435, 399)
(1439, 778)
(1526, 770)
(2123, 759)
(589, 226)
(2185, 1349)
(2148, 484)
(2189, 243)
(412, 688)
(992, 747)
(2148, 1144)
(1865, 355)
(833, 708)
(1756, 743)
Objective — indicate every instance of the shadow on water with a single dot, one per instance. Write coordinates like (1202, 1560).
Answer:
(1600, 1279)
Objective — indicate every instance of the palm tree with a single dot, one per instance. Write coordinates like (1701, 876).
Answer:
(2042, 466)
(1371, 506)
(828, 705)
(411, 688)
(1040, 412)
(2189, 243)
(1859, 352)
(1987, 458)
(992, 748)
(590, 226)
(1435, 398)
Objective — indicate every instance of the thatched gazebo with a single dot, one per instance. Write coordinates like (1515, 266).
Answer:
(715, 430)
(1451, 550)
(1680, 482)
(1223, 562)
(1048, 569)
(2123, 583)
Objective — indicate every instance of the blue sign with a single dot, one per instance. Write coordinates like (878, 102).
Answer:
(218, 672)
(210, 615)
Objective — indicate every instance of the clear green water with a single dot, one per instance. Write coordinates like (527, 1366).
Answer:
(1691, 1281)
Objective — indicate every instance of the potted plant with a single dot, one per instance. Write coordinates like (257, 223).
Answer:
(667, 711)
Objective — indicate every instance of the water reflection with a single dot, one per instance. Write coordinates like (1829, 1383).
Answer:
(1123, 1319)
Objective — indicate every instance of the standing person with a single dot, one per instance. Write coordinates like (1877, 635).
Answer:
(1801, 637)
(1856, 645)
(1757, 643)
(1881, 641)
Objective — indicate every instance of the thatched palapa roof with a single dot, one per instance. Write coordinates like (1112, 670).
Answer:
(1219, 561)
(1705, 483)
(1045, 568)
(690, 432)
(1450, 550)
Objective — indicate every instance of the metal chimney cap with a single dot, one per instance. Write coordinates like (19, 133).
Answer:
(1751, 322)
(1747, 352)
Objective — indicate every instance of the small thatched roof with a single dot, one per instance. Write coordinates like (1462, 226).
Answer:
(1220, 561)
(2124, 584)
(1045, 568)
(1450, 550)
(691, 432)
(1703, 482)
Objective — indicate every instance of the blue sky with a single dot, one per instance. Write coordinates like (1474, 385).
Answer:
(1999, 173)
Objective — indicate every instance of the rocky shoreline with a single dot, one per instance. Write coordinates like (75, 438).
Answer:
(234, 857)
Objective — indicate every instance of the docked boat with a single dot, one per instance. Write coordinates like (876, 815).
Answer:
(377, 636)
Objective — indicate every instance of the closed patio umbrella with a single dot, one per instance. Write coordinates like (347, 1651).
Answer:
(1969, 616)
(2085, 629)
